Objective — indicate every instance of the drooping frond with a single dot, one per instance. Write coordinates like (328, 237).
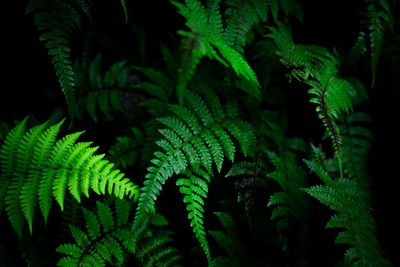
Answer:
(195, 188)
(198, 135)
(347, 198)
(56, 21)
(37, 167)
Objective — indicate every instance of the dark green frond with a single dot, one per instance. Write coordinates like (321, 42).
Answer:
(346, 197)
(126, 150)
(380, 21)
(56, 21)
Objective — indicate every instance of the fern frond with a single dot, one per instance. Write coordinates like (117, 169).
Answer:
(98, 90)
(316, 67)
(56, 21)
(202, 40)
(198, 135)
(157, 251)
(359, 48)
(125, 152)
(103, 240)
(36, 167)
(380, 21)
(353, 214)
(242, 16)
(195, 189)
(292, 8)
(230, 242)
(356, 143)
(288, 204)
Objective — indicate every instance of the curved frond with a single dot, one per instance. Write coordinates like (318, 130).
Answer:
(37, 167)
(197, 136)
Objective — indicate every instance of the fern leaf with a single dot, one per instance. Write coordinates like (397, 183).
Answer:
(379, 20)
(195, 189)
(201, 41)
(38, 168)
(56, 21)
(353, 214)
(193, 133)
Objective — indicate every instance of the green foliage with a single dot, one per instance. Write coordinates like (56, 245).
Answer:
(379, 21)
(315, 66)
(198, 136)
(357, 140)
(107, 239)
(98, 90)
(205, 36)
(125, 151)
(57, 21)
(195, 189)
(347, 198)
(225, 108)
(37, 167)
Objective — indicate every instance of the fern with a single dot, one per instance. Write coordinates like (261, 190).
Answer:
(241, 247)
(347, 198)
(205, 35)
(36, 167)
(195, 189)
(316, 67)
(125, 151)
(106, 239)
(289, 204)
(57, 21)
(157, 251)
(198, 136)
(242, 17)
(357, 140)
(228, 241)
(100, 91)
(379, 21)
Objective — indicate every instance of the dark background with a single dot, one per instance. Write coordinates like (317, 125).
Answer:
(29, 84)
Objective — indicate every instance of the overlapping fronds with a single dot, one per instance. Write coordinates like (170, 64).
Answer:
(205, 39)
(198, 136)
(98, 90)
(37, 167)
(347, 198)
(106, 239)
(126, 150)
(288, 204)
(315, 66)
